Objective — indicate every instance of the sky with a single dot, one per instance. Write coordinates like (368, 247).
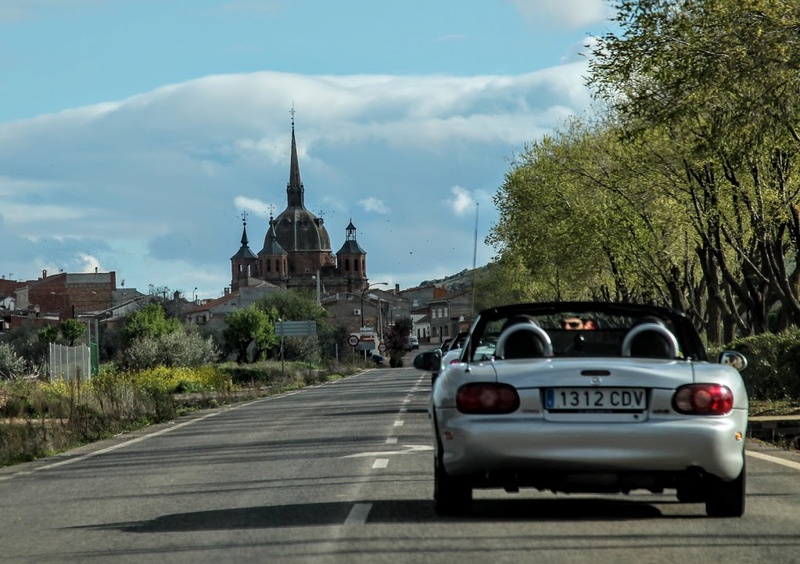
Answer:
(135, 134)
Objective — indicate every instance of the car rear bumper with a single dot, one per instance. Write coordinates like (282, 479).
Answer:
(484, 444)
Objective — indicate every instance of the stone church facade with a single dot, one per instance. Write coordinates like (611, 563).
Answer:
(297, 249)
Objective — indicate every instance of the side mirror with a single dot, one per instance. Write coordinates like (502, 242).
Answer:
(430, 361)
(734, 359)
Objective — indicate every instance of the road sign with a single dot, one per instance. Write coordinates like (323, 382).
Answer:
(352, 340)
(295, 328)
(382, 347)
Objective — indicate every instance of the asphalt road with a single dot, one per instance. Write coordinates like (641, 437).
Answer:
(342, 472)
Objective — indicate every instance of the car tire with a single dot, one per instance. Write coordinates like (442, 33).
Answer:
(727, 499)
(452, 496)
(691, 494)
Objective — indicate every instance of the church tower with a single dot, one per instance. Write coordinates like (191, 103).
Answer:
(352, 261)
(299, 232)
(273, 260)
(244, 263)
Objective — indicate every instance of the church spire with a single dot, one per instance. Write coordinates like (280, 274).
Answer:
(244, 230)
(295, 193)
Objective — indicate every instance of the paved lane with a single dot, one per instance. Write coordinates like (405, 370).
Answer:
(342, 473)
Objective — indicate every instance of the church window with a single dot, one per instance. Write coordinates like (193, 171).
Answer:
(347, 265)
(269, 266)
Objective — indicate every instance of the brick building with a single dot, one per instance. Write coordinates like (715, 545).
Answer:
(65, 295)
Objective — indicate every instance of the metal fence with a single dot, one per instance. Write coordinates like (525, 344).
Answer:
(70, 363)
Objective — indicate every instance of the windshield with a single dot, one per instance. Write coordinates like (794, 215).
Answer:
(582, 332)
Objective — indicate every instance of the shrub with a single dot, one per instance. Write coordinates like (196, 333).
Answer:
(773, 361)
(11, 364)
(169, 349)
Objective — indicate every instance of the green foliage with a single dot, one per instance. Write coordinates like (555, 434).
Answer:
(773, 364)
(246, 327)
(684, 190)
(302, 349)
(66, 332)
(71, 330)
(48, 334)
(151, 322)
(295, 305)
(11, 364)
(170, 350)
(291, 306)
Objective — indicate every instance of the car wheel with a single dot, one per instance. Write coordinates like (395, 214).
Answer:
(452, 496)
(727, 499)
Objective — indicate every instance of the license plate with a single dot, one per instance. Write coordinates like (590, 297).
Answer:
(596, 399)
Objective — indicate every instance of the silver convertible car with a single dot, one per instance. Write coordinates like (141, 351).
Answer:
(588, 397)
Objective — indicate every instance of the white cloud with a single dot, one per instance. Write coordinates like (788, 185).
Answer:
(154, 186)
(256, 206)
(90, 264)
(566, 13)
(462, 202)
(374, 205)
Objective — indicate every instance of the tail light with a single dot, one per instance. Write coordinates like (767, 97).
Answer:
(487, 398)
(703, 399)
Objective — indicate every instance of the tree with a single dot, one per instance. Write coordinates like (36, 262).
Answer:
(298, 305)
(150, 321)
(245, 327)
(396, 339)
(48, 334)
(71, 330)
(291, 305)
(720, 78)
(68, 331)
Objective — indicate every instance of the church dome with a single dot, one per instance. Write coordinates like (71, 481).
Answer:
(297, 229)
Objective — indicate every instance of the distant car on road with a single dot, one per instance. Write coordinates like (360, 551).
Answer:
(377, 359)
(588, 397)
(412, 343)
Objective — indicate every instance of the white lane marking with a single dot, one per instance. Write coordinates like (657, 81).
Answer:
(407, 400)
(403, 410)
(391, 441)
(358, 515)
(398, 423)
(774, 459)
(111, 448)
(410, 449)
(380, 463)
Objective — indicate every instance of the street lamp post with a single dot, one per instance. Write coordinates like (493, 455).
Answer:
(364, 291)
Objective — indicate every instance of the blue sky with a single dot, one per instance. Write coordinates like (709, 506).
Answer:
(134, 133)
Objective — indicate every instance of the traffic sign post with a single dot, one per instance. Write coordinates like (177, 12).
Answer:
(296, 328)
(352, 340)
